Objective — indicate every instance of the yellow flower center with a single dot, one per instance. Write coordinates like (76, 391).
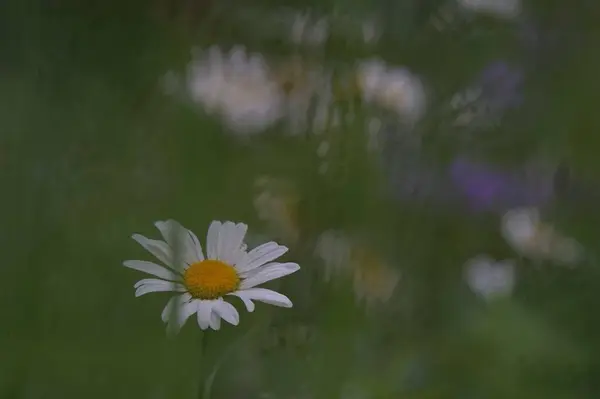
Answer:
(210, 279)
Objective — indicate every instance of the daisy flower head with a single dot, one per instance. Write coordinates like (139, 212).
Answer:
(204, 279)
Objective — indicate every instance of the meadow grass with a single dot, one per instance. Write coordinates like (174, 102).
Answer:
(92, 151)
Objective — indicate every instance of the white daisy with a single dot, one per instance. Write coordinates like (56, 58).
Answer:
(489, 278)
(227, 270)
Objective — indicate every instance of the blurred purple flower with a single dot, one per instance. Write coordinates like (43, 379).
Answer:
(488, 188)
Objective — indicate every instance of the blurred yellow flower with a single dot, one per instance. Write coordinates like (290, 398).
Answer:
(277, 205)
(374, 281)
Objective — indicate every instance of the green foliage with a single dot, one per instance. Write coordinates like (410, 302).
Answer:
(91, 151)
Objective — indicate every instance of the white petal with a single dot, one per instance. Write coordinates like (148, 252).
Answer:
(152, 268)
(212, 240)
(215, 320)
(226, 230)
(264, 295)
(204, 313)
(160, 249)
(182, 315)
(247, 302)
(268, 272)
(231, 239)
(149, 285)
(173, 306)
(176, 235)
(227, 312)
(260, 255)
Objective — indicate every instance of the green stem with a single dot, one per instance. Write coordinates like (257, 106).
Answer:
(211, 378)
(203, 344)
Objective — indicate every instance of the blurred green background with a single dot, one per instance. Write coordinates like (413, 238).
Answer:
(92, 151)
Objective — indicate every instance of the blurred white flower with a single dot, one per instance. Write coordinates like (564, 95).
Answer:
(227, 270)
(237, 86)
(489, 278)
(395, 89)
(371, 74)
(500, 8)
(334, 249)
(519, 226)
(523, 229)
